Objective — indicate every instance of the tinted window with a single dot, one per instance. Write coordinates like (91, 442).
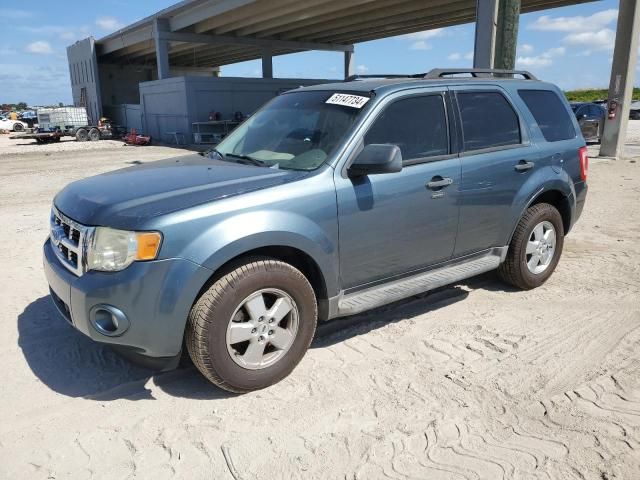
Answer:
(417, 125)
(596, 112)
(552, 117)
(488, 120)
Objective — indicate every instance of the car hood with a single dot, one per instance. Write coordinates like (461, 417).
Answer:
(123, 198)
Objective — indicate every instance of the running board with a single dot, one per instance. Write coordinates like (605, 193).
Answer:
(395, 290)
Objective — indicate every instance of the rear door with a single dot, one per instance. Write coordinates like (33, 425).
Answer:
(497, 159)
(395, 223)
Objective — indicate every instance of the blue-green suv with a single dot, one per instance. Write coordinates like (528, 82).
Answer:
(329, 201)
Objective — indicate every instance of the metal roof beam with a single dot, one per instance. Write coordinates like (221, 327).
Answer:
(125, 39)
(406, 12)
(203, 11)
(253, 42)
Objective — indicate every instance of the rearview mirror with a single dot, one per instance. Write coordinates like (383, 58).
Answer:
(376, 159)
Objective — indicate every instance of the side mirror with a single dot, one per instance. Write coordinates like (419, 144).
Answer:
(376, 159)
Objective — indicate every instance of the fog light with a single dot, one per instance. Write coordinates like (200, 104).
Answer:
(108, 320)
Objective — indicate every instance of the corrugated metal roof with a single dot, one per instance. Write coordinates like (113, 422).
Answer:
(275, 23)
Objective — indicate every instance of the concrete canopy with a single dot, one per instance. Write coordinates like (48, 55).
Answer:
(204, 33)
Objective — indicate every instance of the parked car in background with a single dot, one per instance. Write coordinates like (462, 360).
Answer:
(634, 111)
(12, 125)
(590, 117)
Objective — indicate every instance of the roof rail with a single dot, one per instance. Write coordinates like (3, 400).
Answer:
(477, 72)
(352, 78)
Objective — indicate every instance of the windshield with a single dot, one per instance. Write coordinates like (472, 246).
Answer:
(575, 107)
(296, 131)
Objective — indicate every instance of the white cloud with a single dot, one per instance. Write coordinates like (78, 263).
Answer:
(545, 59)
(419, 39)
(525, 48)
(575, 24)
(109, 23)
(36, 85)
(362, 69)
(598, 40)
(39, 47)
(420, 45)
(459, 56)
(13, 14)
(427, 34)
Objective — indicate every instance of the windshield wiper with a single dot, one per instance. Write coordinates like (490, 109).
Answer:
(207, 153)
(247, 158)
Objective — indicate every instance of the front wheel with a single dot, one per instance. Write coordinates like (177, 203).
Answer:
(252, 327)
(535, 248)
(18, 127)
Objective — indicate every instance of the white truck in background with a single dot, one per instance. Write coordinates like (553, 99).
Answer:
(55, 123)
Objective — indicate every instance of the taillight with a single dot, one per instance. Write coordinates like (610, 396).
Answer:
(583, 153)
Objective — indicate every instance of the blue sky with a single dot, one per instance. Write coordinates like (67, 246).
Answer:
(570, 46)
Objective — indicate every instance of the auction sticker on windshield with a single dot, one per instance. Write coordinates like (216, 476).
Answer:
(354, 101)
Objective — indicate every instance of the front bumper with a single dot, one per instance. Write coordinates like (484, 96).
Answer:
(155, 296)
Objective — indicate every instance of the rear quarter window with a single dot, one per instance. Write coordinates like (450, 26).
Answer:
(550, 114)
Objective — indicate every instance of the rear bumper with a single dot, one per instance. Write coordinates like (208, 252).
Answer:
(154, 299)
(581, 197)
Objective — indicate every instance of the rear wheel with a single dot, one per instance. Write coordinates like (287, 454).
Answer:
(253, 325)
(82, 135)
(535, 248)
(18, 127)
(94, 134)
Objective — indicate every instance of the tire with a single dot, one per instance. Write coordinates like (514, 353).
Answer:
(94, 134)
(18, 127)
(516, 269)
(222, 307)
(82, 135)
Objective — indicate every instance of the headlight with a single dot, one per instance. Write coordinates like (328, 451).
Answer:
(111, 250)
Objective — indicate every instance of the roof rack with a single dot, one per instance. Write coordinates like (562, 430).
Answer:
(352, 78)
(445, 72)
(477, 72)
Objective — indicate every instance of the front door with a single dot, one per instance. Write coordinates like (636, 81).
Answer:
(394, 223)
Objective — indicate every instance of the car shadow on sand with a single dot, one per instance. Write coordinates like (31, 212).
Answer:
(71, 364)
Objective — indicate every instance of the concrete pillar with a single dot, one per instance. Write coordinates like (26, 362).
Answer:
(267, 63)
(162, 47)
(349, 67)
(622, 77)
(507, 34)
(485, 43)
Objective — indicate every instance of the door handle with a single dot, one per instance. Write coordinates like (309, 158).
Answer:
(439, 182)
(523, 166)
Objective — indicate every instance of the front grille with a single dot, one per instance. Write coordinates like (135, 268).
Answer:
(69, 240)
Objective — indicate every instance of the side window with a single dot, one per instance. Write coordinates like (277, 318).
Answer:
(488, 120)
(418, 125)
(550, 114)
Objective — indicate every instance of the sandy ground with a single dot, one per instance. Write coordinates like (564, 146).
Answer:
(474, 381)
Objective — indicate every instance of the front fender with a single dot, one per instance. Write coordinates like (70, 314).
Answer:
(248, 231)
